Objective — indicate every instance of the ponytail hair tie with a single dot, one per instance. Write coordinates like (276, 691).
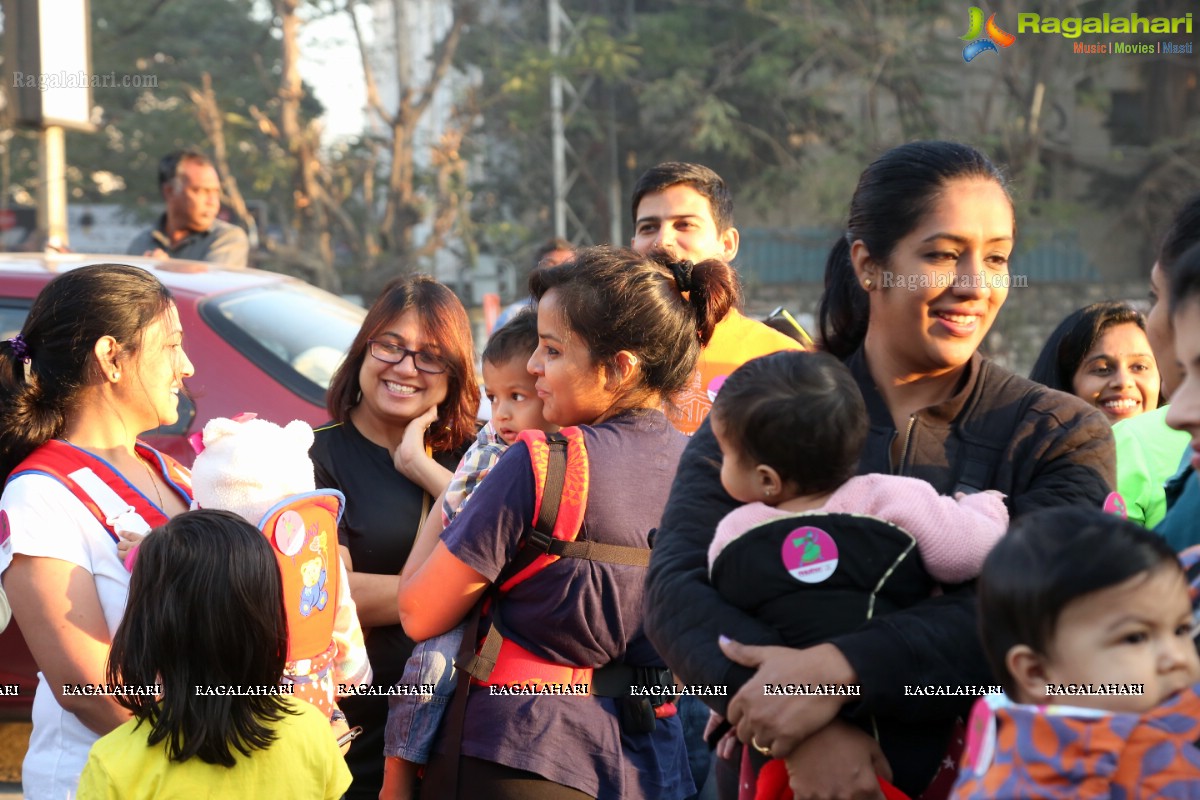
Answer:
(682, 270)
(19, 347)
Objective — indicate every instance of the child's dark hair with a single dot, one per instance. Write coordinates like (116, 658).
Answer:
(205, 609)
(800, 413)
(615, 299)
(1048, 559)
(893, 195)
(517, 338)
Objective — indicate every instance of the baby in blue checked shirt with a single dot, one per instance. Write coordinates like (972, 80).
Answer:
(413, 712)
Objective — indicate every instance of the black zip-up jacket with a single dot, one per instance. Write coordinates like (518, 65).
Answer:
(1038, 446)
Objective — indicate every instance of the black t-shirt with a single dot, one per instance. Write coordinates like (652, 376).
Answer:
(380, 522)
(379, 525)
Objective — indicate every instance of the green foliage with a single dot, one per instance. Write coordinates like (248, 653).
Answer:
(136, 127)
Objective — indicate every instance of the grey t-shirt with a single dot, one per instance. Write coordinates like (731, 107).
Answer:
(222, 244)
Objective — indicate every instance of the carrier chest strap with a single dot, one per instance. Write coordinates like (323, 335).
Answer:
(546, 540)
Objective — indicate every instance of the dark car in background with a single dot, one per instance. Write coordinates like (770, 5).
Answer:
(260, 342)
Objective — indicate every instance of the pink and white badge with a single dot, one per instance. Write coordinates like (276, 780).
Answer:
(1115, 504)
(714, 386)
(289, 533)
(809, 554)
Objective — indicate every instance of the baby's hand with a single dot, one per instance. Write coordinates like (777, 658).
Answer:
(714, 722)
(727, 745)
(128, 546)
(999, 495)
(128, 541)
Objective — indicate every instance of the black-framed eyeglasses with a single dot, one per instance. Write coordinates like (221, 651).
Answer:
(391, 353)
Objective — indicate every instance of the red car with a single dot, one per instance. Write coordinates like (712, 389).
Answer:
(260, 342)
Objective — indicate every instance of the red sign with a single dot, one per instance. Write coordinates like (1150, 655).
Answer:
(491, 310)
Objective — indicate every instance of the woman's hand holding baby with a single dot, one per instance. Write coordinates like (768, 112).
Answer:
(780, 723)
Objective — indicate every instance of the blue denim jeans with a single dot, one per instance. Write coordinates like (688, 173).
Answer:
(693, 714)
(413, 719)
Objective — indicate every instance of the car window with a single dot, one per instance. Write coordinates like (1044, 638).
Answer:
(12, 317)
(295, 333)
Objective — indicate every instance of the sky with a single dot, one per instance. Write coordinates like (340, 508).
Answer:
(330, 64)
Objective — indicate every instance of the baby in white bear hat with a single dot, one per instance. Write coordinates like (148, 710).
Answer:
(262, 472)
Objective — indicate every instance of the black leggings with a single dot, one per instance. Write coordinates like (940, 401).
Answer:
(479, 778)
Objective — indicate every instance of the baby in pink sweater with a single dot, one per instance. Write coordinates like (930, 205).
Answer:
(791, 427)
(816, 552)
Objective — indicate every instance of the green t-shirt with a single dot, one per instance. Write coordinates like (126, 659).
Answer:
(1148, 454)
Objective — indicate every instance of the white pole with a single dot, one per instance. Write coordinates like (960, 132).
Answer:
(558, 139)
(52, 187)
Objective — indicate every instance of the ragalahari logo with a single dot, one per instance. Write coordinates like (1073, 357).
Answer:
(995, 36)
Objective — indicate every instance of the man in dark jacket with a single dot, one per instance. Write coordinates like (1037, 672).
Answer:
(998, 431)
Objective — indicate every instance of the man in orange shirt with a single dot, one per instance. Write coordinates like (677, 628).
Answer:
(687, 210)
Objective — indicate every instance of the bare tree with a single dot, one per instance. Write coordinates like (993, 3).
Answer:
(403, 208)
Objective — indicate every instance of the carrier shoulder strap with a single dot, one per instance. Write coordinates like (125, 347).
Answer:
(560, 471)
(302, 530)
(561, 476)
(115, 503)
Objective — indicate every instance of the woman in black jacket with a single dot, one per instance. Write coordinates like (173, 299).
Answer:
(911, 289)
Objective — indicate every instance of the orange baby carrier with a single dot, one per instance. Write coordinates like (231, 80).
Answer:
(302, 530)
(560, 471)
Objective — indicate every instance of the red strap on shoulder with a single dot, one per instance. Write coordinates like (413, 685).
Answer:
(574, 493)
(58, 459)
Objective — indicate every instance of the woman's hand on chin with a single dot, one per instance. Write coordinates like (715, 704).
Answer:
(779, 721)
(413, 462)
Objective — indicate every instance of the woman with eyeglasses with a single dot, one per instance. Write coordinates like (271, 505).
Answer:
(403, 405)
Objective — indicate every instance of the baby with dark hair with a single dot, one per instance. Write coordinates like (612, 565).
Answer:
(815, 551)
(791, 427)
(1088, 622)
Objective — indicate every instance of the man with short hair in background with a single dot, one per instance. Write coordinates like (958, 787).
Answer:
(189, 227)
(687, 210)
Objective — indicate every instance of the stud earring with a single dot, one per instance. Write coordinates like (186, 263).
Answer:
(868, 283)
(116, 376)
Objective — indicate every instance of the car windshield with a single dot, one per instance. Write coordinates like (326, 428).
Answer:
(295, 333)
